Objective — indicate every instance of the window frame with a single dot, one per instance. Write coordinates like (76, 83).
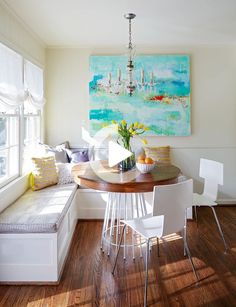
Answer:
(8, 146)
(20, 114)
(37, 139)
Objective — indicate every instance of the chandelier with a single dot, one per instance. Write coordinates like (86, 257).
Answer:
(130, 84)
(130, 65)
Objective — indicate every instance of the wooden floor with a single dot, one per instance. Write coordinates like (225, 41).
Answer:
(87, 278)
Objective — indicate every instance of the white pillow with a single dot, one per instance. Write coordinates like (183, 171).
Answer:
(64, 173)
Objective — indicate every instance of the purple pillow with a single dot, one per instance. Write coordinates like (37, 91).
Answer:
(77, 155)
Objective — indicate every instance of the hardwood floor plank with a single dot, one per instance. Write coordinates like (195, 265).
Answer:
(87, 278)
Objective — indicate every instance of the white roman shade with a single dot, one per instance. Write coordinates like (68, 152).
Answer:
(33, 80)
(12, 92)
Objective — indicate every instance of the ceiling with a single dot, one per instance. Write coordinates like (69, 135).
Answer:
(99, 23)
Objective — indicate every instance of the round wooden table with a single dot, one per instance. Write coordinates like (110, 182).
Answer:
(85, 175)
(125, 193)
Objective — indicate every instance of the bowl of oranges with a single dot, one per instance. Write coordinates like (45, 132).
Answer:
(145, 164)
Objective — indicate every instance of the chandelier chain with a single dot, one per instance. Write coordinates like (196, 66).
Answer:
(130, 36)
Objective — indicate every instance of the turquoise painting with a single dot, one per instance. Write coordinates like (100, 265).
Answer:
(161, 100)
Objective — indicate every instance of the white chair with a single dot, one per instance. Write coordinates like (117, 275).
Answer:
(212, 172)
(169, 216)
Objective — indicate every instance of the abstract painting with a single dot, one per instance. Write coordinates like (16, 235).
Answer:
(161, 100)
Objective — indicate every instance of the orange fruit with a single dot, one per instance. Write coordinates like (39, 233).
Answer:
(149, 161)
(141, 157)
(141, 161)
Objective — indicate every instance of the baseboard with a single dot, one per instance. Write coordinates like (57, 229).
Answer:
(90, 220)
(29, 283)
(91, 213)
(226, 202)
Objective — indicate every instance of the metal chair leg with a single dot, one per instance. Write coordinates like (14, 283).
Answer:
(195, 211)
(185, 239)
(158, 247)
(117, 254)
(219, 227)
(146, 273)
(189, 255)
(185, 231)
(105, 223)
(191, 261)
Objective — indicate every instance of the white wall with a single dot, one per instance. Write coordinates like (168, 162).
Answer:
(213, 96)
(16, 36)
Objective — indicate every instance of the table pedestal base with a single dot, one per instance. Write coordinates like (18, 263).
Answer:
(122, 206)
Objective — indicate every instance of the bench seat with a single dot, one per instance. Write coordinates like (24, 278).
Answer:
(35, 235)
(38, 211)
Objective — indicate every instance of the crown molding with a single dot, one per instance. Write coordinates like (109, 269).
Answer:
(140, 47)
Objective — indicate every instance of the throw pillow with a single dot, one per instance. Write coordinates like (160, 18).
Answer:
(44, 173)
(158, 153)
(64, 173)
(77, 155)
(59, 152)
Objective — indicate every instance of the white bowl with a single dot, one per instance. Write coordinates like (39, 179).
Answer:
(145, 168)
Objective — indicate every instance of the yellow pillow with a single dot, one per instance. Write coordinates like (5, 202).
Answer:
(158, 153)
(44, 173)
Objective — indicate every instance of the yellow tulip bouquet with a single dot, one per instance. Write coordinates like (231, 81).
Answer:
(126, 133)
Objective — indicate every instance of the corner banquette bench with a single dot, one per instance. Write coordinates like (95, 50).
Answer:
(36, 228)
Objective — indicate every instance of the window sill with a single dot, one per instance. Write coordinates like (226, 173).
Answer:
(11, 182)
(13, 190)
(8, 181)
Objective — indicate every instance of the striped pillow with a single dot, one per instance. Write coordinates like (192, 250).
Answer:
(158, 153)
(44, 173)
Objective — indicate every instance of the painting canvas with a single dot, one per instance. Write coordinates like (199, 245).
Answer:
(161, 99)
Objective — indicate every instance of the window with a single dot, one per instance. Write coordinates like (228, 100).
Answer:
(9, 146)
(32, 137)
(33, 82)
(21, 103)
(11, 99)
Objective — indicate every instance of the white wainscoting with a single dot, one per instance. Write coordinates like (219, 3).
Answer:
(92, 204)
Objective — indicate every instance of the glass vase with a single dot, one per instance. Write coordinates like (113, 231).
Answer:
(129, 162)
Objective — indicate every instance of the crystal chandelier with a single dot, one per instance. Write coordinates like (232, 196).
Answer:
(130, 65)
(131, 83)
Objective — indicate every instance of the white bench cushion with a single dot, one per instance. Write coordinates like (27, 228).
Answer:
(38, 211)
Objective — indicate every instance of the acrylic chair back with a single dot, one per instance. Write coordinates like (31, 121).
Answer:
(213, 173)
(172, 201)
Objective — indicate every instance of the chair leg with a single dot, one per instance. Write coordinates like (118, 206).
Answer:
(191, 261)
(189, 255)
(195, 211)
(146, 274)
(158, 247)
(219, 227)
(117, 254)
(185, 231)
(185, 239)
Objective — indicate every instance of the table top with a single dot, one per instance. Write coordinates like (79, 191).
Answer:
(97, 175)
